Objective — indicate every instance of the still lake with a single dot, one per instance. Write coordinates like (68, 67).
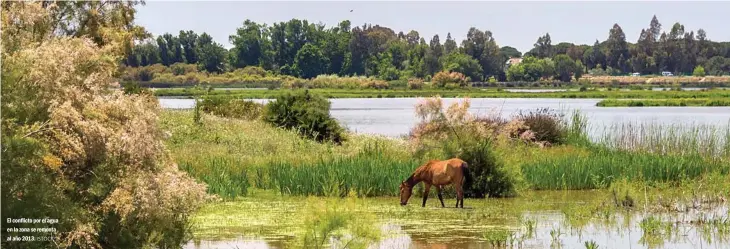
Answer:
(396, 116)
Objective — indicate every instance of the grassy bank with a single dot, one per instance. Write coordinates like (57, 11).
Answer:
(458, 93)
(663, 102)
(233, 156)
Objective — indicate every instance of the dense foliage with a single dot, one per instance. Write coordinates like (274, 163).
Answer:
(73, 149)
(306, 113)
(303, 49)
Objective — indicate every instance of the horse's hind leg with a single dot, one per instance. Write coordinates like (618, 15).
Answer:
(425, 193)
(440, 188)
(459, 195)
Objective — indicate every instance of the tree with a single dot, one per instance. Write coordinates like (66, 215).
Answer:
(449, 45)
(510, 52)
(247, 48)
(434, 53)
(462, 63)
(188, 41)
(481, 46)
(617, 48)
(310, 61)
(718, 65)
(543, 46)
(212, 54)
(565, 67)
(165, 55)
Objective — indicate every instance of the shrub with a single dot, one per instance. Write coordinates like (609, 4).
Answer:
(75, 150)
(306, 113)
(254, 70)
(134, 88)
(699, 71)
(444, 78)
(182, 68)
(456, 133)
(415, 83)
(546, 124)
(489, 177)
(231, 108)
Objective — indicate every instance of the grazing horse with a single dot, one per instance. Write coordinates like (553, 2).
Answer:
(437, 173)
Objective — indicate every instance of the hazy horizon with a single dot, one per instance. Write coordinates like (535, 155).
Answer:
(516, 24)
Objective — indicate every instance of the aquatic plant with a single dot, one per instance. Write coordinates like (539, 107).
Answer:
(555, 237)
(500, 237)
(335, 223)
(591, 245)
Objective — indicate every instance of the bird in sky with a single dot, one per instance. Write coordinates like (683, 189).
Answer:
(350, 10)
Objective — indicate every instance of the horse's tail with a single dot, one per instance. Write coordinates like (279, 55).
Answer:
(467, 175)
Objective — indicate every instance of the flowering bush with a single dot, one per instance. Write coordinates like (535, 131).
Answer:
(415, 83)
(444, 79)
(77, 151)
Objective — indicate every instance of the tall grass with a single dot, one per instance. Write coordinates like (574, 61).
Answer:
(603, 166)
(663, 139)
(368, 174)
(224, 176)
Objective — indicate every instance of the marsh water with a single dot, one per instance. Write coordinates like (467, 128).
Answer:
(555, 219)
(545, 219)
(395, 116)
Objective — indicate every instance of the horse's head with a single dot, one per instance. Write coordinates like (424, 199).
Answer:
(405, 193)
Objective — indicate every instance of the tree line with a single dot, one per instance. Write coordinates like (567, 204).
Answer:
(303, 49)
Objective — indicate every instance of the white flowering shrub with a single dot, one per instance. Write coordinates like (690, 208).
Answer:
(74, 150)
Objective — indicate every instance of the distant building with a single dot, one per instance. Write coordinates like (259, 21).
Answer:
(512, 61)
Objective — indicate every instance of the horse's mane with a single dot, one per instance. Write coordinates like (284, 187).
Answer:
(419, 172)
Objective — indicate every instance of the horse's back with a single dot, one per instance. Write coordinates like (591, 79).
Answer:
(447, 171)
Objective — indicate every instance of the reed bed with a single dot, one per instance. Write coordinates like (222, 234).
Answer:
(232, 156)
(363, 175)
(662, 102)
(708, 141)
(661, 80)
(603, 166)
(458, 93)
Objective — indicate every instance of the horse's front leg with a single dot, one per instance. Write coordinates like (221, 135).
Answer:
(425, 193)
(441, 198)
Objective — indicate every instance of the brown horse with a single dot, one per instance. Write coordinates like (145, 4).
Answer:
(437, 173)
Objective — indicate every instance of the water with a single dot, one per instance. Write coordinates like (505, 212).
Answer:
(395, 116)
(272, 223)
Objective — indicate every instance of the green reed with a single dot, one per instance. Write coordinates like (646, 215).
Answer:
(364, 175)
(225, 176)
(663, 102)
(602, 166)
(677, 139)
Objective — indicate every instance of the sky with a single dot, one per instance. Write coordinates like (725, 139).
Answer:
(516, 23)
